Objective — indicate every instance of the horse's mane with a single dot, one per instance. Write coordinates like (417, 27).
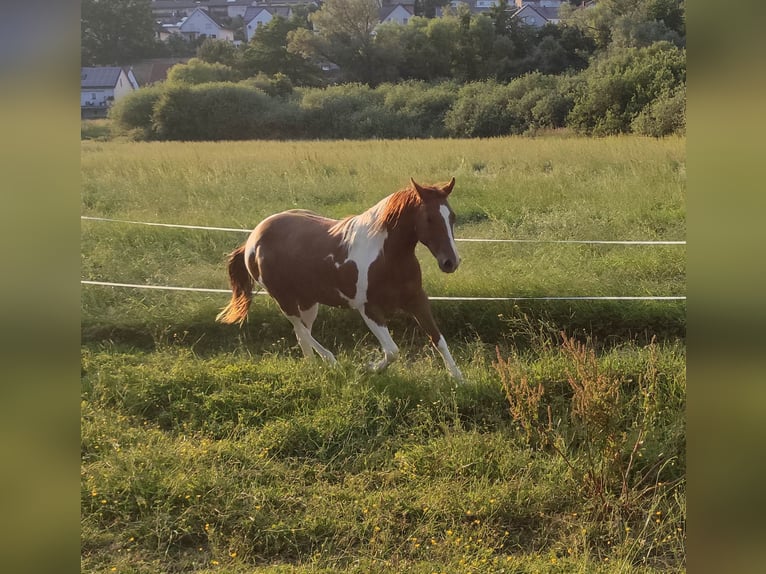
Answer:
(397, 203)
(382, 215)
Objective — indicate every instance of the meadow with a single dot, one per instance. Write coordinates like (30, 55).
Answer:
(213, 448)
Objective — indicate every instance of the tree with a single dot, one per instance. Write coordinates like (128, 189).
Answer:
(427, 8)
(620, 83)
(197, 71)
(343, 35)
(268, 53)
(631, 23)
(115, 32)
(215, 51)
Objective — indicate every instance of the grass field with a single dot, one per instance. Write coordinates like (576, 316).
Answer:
(209, 448)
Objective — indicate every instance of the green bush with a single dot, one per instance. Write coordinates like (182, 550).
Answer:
(536, 101)
(276, 85)
(663, 116)
(133, 113)
(97, 129)
(347, 111)
(480, 110)
(197, 71)
(418, 109)
(214, 111)
(617, 87)
(485, 109)
(627, 89)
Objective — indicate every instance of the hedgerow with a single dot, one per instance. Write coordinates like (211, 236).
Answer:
(638, 90)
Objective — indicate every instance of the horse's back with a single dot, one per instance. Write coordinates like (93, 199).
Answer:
(291, 229)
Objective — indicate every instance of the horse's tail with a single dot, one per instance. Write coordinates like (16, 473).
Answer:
(241, 287)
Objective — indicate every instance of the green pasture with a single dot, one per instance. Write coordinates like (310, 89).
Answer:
(213, 448)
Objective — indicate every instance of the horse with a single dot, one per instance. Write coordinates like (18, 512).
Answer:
(365, 262)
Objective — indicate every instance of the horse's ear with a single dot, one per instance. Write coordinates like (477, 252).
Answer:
(448, 188)
(417, 187)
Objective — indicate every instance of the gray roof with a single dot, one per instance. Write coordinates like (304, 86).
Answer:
(547, 13)
(253, 11)
(101, 77)
(386, 11)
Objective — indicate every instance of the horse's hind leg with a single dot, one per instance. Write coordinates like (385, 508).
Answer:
(308, 316)
(302, 328)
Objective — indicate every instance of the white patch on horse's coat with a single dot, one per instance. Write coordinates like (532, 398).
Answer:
(364, 245)
(249, 254)
(444, 210)
(448, 360)
(331, 259)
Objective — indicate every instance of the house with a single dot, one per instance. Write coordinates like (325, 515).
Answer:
(257, 16)
(200, 24)
(530, 12)
(397, 13)
(153, 70)
(476, 6)
(171, 11)
(100, 87)
(537, 13)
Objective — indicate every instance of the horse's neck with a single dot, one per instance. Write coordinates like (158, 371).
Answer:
(400, 231)
(371, 226)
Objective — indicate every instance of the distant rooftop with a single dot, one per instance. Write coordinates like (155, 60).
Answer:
(100, 77)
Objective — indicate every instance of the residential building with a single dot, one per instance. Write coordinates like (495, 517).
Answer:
(397, 13)
(538, 13)
(201, 24)
(257, 16)
(101, 86)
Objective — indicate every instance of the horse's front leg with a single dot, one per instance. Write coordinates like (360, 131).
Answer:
(390, 350)
(421, 310)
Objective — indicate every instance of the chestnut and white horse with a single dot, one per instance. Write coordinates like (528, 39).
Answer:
(366, 262)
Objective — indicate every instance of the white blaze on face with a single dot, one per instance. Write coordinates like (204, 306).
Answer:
(444, 210)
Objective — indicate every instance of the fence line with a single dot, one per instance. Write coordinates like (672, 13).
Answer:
(465, 240)
(438, 298)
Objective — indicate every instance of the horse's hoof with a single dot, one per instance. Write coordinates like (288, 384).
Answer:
(377, 367)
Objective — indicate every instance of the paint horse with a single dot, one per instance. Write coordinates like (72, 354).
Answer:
(366, 262)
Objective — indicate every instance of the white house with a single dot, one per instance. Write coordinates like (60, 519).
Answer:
(257, 16)
(397, 13)
(100, 87)
(539, 3)
(476, 6)
(538, 13)
(537, 17)
(199, 23)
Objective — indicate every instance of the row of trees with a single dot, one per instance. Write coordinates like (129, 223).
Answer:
(617, 67)
(460, 46)
(640, 90)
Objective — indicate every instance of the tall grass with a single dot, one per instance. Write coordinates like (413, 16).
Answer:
(209, 448)
(616, 188)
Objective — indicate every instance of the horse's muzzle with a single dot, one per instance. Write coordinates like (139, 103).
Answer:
(449, 265)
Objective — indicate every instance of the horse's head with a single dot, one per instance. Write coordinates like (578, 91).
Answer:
(435, 223)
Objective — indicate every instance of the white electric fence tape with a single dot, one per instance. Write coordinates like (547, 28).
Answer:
(481, 240)
(551, 298)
